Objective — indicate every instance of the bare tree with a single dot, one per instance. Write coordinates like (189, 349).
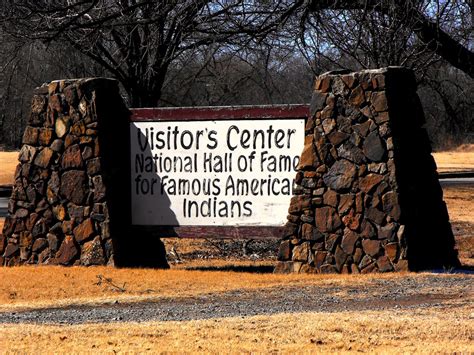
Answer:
(137, 40)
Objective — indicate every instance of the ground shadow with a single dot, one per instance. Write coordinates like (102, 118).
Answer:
(256, 269)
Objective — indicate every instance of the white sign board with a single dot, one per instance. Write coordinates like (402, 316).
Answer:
(214, 173)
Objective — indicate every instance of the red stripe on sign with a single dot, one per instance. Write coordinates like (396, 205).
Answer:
(210, 113)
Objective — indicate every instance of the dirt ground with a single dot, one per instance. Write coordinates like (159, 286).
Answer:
(221, 296)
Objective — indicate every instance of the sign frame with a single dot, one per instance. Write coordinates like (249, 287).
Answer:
(217, 113)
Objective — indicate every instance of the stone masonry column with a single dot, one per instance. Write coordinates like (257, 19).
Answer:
(367, 196)
(71, 198)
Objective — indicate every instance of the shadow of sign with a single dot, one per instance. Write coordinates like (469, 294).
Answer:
(147, 184)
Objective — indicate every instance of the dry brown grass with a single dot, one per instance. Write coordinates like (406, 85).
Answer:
(42, 286)
(460, 202)
(459, 159)
(441, 329)
(8, 163)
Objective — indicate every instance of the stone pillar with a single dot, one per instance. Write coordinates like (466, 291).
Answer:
(366, 196)
(71, 197)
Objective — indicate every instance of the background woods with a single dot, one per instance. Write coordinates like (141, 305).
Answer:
(194, 52)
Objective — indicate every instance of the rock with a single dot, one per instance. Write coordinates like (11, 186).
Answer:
(367, 112)
(357, 96)
(99, 188)
(384, 264)
(43, 257)
(349, 240)
(387, 232)
(323, 84)
(307, 269)
(301, 252)
(59, 212)
(30, 136)
(372, 267)
(378, 82)
(309, 232)
(331, 241)
(338, 86)
(92, 253)
(67, 251)
(330, 198)
(45, 136)
(318, 101)
(345, 203)
(57, 145)
(369, 182)
(72, 157)
(61, 126)
(378, 168)
(391, 250)
(375, 215)
(296, 266)
(74, 186)
(328, 125)
(70, 94)
(299, 203)
(53, 187)
(379, 101)
(402, 265)
(309, 158)
(337, 137)
(328, 269)
(55, 103)
(26, 239)
(43, 158)
(362, 129)
(391, 205)
(350, 152)
(39, 245)
(352, 220)
(38, 104)
(340, 257)
(21, 213)
(357, 255)
(284, 252)
(11, 250)
(359, 202)
(291, 229)
(52, 241)
(382, 117)
(341, 175)
(306, 219)
(319, 258)
(283, 268)
(366, 261)
(349, 80)
(327, 219)
(40, 228)
(371, 247)
(27, 154)
(78, 129)
(373, 147)
(84, 231)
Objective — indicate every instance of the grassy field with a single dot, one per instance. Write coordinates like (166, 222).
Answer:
(413, 331)
(8, 163)
(459, 159)
(447, 326)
